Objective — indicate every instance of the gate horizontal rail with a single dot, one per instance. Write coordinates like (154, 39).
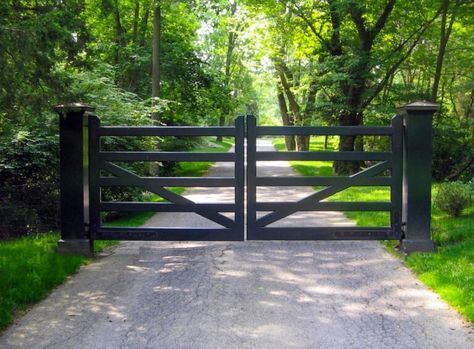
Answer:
(167, 234)
(325, 233)
(322, 156)
(129, 131)
(328, 206)
(169, 181)
(165, 156)
(320, 181)
(324, 131)
(163, 207)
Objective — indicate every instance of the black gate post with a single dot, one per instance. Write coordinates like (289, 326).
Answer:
(417, 156)
(74, 179)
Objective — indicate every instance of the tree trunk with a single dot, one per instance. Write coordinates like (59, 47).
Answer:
(285, 118)
(302, 143)
(136, 15)
(443, 42)
(221, 123)
(144, 24)
(231, 39)
(119, 32)
(347, 143)
(156, 78)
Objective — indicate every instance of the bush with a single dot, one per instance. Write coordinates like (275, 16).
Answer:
(29, 190)
(453, 197)
(449, 150)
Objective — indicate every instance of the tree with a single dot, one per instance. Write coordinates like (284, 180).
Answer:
(445, 32)
(156, 77)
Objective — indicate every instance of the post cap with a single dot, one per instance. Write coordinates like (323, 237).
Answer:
(74, 107)
(420, 106)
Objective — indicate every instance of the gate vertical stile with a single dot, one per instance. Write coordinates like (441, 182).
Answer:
(239, 175)
(397, 175)
(94, 176)
(251, 176)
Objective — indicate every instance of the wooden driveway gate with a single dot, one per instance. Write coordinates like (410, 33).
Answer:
(258, 228)
(86, 168)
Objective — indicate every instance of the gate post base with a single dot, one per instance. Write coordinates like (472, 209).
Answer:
(411, 246)
(73, 247)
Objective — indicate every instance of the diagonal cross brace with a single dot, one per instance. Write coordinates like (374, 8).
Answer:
(168, 195)
(322, 194)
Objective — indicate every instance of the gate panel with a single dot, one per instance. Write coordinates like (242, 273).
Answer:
(257, 229)
(101, 161)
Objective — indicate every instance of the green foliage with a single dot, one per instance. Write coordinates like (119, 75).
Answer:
(453, 198)
(449, 150)
(28, 183)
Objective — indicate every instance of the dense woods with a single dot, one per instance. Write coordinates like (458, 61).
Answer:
(201, 62)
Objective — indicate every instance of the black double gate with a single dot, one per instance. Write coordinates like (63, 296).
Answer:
(86, 168)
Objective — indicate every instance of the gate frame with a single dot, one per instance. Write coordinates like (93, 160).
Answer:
(77, 177)
(81, 161)
(257, 229)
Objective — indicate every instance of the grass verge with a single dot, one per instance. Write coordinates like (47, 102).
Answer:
(30, 266)
(450, 270)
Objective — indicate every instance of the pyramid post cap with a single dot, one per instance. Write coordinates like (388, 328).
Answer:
(74, 107)
(420, 106)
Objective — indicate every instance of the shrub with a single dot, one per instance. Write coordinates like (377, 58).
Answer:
(449, 150)
(453, 197)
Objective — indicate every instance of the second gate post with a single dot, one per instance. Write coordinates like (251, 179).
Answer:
(417, 156)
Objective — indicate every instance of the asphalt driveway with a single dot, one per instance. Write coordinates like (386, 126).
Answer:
(317, 294)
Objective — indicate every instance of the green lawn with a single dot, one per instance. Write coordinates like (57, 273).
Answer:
(30, 266)
(450, 270)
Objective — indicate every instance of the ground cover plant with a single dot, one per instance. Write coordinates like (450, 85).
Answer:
(30, 266)
(450, 270)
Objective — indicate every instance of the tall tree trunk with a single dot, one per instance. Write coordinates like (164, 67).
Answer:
(231, 39)
(443, 42)
(285, 118)
(156, 78)
(132, 76)
(119, 32)
(228, 60)
(348, 143)
(302, 142)
(136, 16)
(144, 23)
